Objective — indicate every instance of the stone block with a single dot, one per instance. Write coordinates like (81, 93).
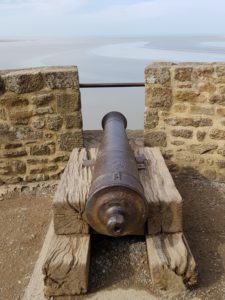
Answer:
(3, 115)
(220, 72)
(15, 153)
(221, 111)
(151, 119)
(68, 102)
(13, 145)
(46, 169)
(44, 110)
(179, 108)
(26, 133)
(60, 158)
(13, 100)
(7, 133)
(25, 81)
(157, 75)
(62, 78)
(158, 97)
(202, 110)
(42, 149)
(217, 134)
(41, 161)
(4, 128)
(200, 135)
(38, 122)
(20, 117)
(184, 133)
(204, 72)
(12, 179)
(17, 166)
(187, 121)
(42, 99)
(54, 123)
(155, 139)
(221, 164)
(206, 87)
(178, 143)
(189, 95)
(70, 140)
(183, 73)
(218, 99)
(36, 177)
(202, 148)
(74, 121)
(2, 86)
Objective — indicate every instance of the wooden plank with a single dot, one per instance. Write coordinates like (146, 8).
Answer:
(66, 266)
(148, 181)
(70, 198)
(165, 202)
(170, 260)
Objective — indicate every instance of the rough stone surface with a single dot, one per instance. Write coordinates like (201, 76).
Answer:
(157, 75)
(151, 118)
(202, 110)
(188, 121)
(155, 139)
(158, 96)
(67, 102)
(183, 73)
(217, 134)
(200, 135)
(21, 82)
(74, 121)
(184, 133)
(202, 148)
(40, 122)
(41, 150)
(54, 123)
(191, 120)
(70, 140)
(42, 99)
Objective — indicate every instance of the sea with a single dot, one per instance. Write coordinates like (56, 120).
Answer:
(110, 59)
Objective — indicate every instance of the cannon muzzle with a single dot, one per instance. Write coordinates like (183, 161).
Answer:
(116, 204)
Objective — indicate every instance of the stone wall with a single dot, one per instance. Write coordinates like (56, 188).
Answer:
(40, 122)
(185, 116)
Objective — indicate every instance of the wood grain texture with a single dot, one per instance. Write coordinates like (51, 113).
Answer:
(66, 266)
(71, 195)
(171, 262)
(165, 202)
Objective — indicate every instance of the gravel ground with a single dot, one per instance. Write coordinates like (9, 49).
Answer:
(119, 268)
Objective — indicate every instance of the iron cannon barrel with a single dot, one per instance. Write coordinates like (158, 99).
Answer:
(116, 204)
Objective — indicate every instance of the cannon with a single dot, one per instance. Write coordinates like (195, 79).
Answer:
(116, 202)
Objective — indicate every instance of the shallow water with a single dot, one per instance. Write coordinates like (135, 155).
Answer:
(110, 60)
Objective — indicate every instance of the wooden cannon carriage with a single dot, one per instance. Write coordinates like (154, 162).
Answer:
(68, 246)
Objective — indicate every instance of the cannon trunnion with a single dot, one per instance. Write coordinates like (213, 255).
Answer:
(116, 204)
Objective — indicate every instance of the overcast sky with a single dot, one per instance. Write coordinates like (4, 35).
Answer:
(111, 17)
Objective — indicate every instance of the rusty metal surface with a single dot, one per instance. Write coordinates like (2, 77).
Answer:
(112, 85)
(116, 204)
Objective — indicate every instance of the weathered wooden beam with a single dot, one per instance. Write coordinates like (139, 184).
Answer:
(171, 262)
(71, 195)
(66, 266)
(165, 202)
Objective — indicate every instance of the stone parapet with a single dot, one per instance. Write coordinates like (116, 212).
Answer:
(185, 116)
(40, 122)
